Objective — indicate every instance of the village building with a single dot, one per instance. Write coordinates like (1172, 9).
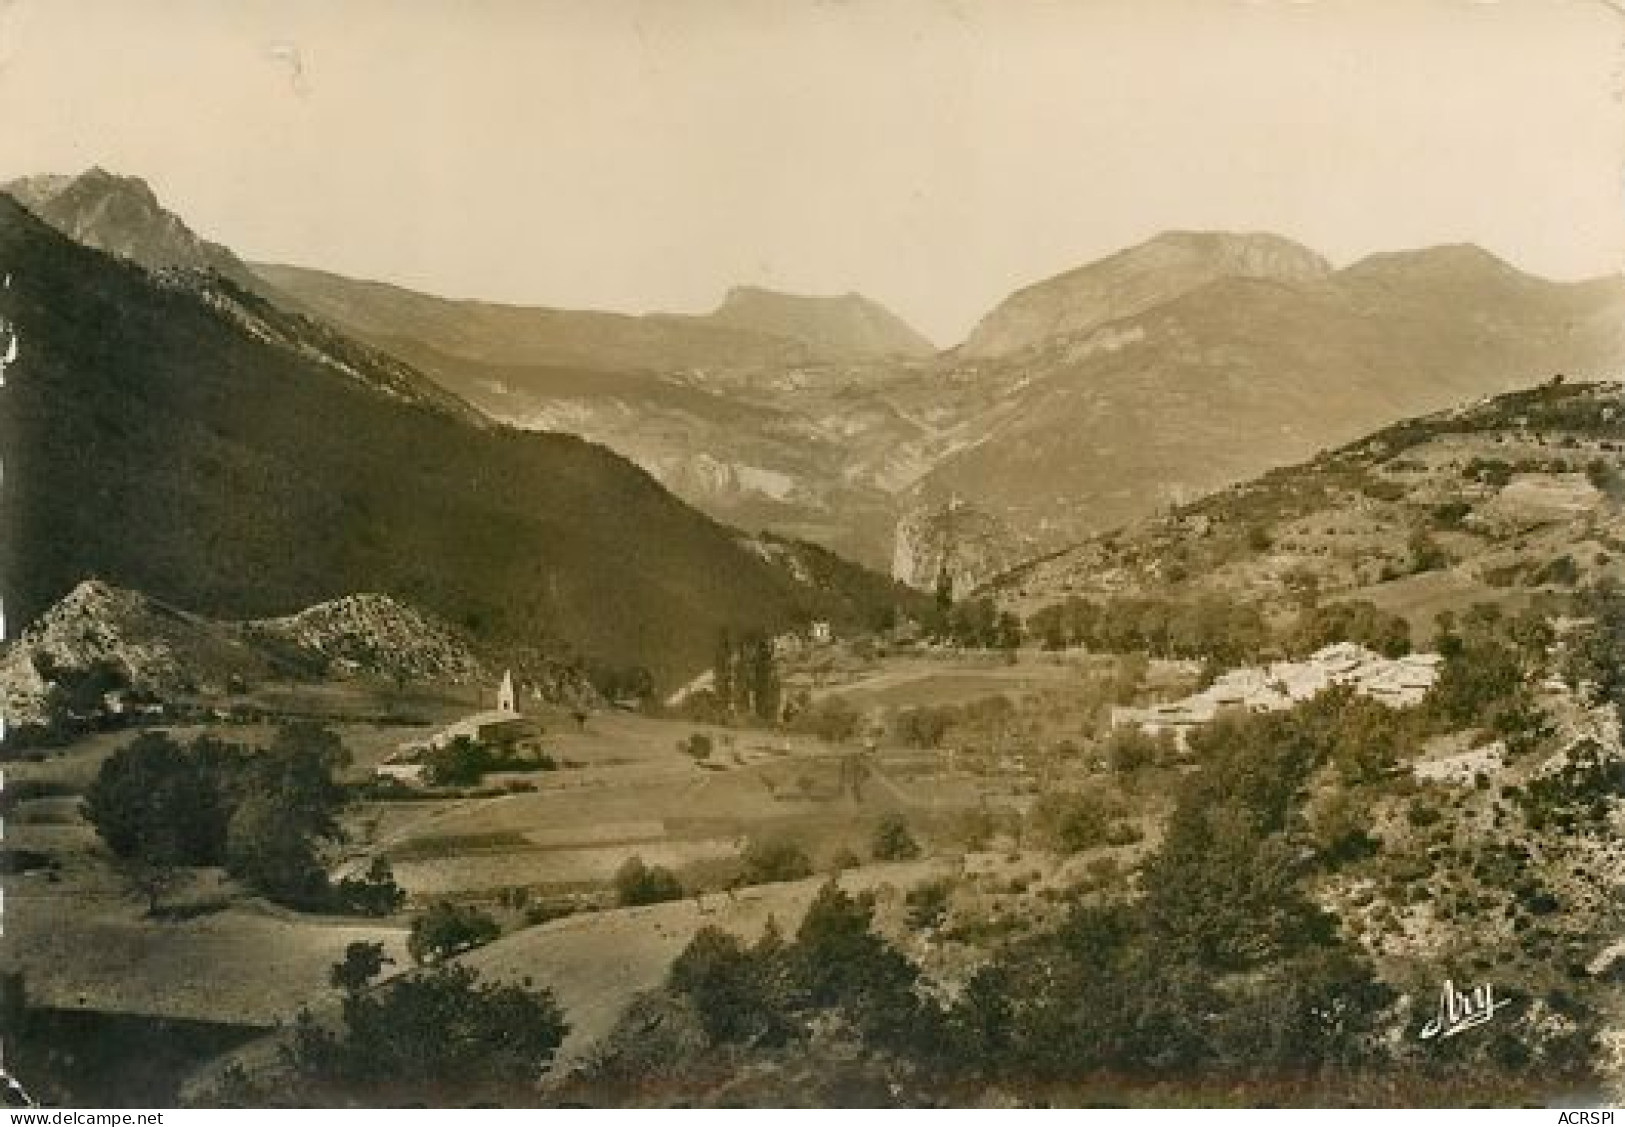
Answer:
(503, 726)
(1396, 682)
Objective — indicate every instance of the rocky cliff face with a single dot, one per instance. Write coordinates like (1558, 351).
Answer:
(1133, 281)
(966, 545)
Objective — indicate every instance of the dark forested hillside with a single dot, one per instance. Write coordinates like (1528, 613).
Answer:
(176, 436)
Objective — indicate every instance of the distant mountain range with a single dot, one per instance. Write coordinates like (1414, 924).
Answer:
(1096, 397)
(752, 328)
(174, 434)
(1084, 431)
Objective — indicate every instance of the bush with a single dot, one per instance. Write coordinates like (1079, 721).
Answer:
(448, 929)
(833, 720)
(362, 962)
(696, 746)
(1130, 749)
(637, 883)
(893, 841)
(925, 726)
(465, 763)
(770, 860)
(1426, 553)
(374, 894)
(1071, 821)
(1561, 572)
(736, 991)
(928, 905)
(441, 1038)
(837, 960)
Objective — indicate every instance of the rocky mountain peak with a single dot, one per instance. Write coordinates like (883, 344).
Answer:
(122, 215)
(1134, 280)
(844, 327)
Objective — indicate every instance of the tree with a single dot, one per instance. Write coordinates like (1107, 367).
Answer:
(268, 848)
(441, 1038)
(300, 767)
(765, 688)
(697, 745)
(155, 801)
(722, 668)
(729, 985)
(363, 961)
(637, 883)
(78, 693)
(375, 893)
(462, 762)
(1480, 675)
(892, 840)
(1224, 894)
(1426, 553)
(448, 929)
(838, 961)
(1358, 621)
(158, 805)
(149, 875)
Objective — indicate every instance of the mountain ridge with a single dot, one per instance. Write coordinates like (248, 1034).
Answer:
(1220, 355)
(157, 440)
(1132, 281)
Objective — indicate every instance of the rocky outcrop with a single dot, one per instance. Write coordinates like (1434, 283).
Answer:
(376, 634)
(153, 648)
(964, 544)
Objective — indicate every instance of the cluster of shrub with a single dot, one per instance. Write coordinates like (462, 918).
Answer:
(262, 813)
(1165, 628)
(464, 762)
(440, 1037)
(1576, 794)
(1224, 966)
(1213, 629)
(971, 623)
(1594, 655)
(765, 859)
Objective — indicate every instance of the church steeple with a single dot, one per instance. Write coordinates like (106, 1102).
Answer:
(505, 696)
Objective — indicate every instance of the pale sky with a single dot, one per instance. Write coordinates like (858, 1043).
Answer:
(933, 154)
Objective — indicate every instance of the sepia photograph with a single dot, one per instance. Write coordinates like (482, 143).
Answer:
(910, 554)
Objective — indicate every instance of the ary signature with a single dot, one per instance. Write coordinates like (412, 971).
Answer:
(1459, 1012)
